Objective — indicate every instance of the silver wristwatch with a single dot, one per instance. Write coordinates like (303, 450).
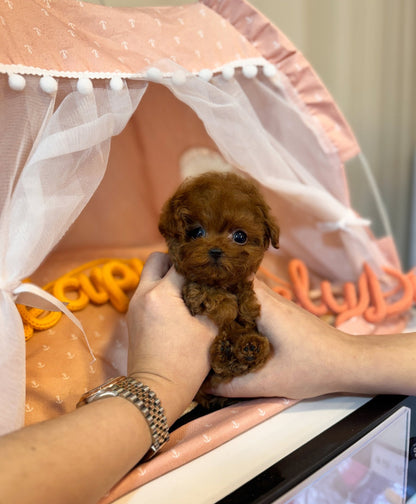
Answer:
(143, 398)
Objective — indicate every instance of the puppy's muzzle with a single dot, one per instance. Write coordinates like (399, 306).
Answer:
(215, 254)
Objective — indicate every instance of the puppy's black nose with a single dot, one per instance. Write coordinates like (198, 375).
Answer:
(215, 253)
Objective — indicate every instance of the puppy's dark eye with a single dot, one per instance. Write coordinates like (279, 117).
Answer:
(239, 237)
(198, 232)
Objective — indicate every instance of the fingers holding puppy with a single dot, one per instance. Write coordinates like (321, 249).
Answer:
(168, 348)
(159, 266)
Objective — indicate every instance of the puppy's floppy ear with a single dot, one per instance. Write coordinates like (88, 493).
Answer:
(272, 231)
(271, 228)
(172, 218)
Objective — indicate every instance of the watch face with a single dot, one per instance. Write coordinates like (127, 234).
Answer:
(108, 383)
(92, 392)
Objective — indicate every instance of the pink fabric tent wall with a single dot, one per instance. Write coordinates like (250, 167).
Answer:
(213, 75)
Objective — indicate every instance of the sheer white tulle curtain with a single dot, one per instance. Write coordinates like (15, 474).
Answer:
(55, 148)
(297, 173)
(364, 51)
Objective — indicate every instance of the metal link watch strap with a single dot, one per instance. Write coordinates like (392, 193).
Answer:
(143, 398)
(149, 404)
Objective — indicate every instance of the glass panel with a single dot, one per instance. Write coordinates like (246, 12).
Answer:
(373, 470)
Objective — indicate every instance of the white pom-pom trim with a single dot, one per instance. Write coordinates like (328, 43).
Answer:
(205, 74)
(154, 74)
(116, 83)
(84, 86)
(48, 84)
(269, 70)
(179, 78)
(17, 82)
(228, 73)
(250, 71)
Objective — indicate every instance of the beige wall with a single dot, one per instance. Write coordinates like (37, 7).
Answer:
(365, 53)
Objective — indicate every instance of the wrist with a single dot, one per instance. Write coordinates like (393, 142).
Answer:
(359, 367)
(139, 395)
(168, 392)
(337, 366)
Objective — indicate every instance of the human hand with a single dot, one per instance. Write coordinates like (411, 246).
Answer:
(168, 347)
(305, 359)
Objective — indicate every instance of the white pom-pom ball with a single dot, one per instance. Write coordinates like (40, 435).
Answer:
(48, 84)
(17, 82)
(249, 71)
(84, 85)
(179, 78)
(154, 74)
(228, 73)
(269, 70)
(205, 74)
(116, 83)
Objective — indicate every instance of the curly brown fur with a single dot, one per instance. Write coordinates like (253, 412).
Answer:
(217, 227)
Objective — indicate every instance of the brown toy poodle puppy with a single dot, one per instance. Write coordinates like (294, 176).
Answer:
(217, 227)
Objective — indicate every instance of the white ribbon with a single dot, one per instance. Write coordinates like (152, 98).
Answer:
(348, 220)
(32, 295)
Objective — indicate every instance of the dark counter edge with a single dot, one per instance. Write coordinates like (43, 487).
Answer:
(288, 472)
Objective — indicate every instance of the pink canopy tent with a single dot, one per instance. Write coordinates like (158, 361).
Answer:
(105, 110)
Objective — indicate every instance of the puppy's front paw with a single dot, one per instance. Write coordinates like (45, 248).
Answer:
(194, 297)
(251, 350)
(218, 304)
(238, 353)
